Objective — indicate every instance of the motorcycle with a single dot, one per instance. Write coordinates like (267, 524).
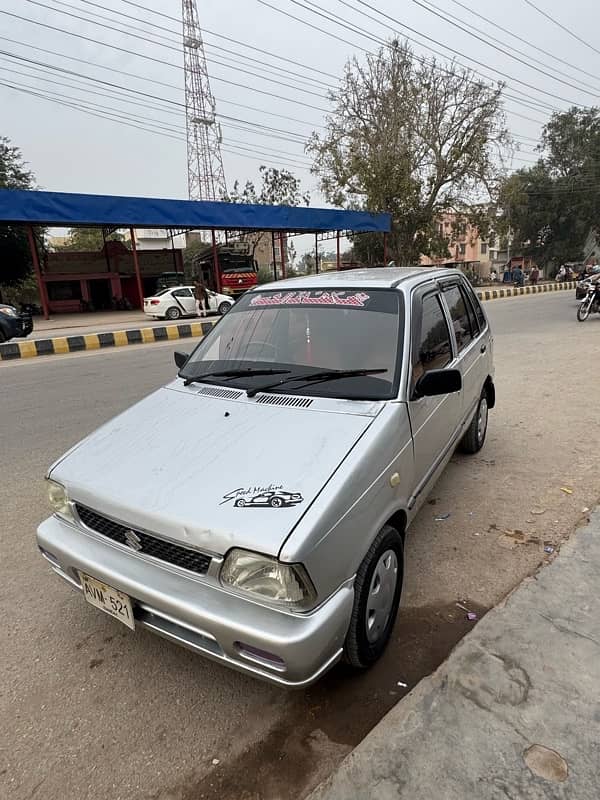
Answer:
(590, 304)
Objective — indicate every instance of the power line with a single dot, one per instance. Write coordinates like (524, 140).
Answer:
(502, 47)
(178, 50)
(271, 131)
(229, 39)
(463, 55)
(115, 117)
(146, 78)
(219, 48)
(521, 39)
(159, 61)
(504, 51)
(268, 68)
(562, 27)
(382, 42)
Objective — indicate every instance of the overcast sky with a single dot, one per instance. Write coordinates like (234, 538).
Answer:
(72, 151)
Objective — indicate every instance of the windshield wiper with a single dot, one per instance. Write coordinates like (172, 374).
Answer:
(317, 377)
(235, 373)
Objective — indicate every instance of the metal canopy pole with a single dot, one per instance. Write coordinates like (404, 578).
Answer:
(282, 251)
(38, 272)
(274, 255)
(317, 253)
(136, 264)
(385, 261)
(338, 261)
(215, 256)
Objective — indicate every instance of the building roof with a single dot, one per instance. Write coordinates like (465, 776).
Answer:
(372, 277)
(69, 210)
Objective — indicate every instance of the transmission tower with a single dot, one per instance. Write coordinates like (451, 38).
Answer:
(206, 176)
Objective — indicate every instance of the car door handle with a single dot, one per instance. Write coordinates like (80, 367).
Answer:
(483, 348)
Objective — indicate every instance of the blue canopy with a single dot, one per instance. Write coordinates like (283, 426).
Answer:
(63, 209)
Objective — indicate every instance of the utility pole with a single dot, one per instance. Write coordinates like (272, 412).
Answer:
(206, 176)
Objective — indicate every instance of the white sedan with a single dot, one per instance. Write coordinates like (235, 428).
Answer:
(179, 301)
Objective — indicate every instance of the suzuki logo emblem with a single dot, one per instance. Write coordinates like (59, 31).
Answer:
(133, 540)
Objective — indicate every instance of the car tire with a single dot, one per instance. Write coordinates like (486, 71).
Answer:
(474, 438)
(276, 502)
(223, 308)
(239, 503)
(173, 313)
(377, 589)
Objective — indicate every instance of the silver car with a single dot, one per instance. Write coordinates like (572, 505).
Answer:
(254, 509)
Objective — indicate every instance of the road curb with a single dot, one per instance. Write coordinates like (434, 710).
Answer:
(59, 345)
(517, 291)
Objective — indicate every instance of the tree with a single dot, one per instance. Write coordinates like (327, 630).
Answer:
(280, 187)
(89, 239)
(551, 206)
(410, 138)
(15, 257)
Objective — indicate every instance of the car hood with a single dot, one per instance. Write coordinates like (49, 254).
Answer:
(175, 464)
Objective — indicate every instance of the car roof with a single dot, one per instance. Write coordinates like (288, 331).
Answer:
(371, 277)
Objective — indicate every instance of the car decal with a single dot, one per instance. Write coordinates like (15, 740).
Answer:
(312, 298)
(272, 496)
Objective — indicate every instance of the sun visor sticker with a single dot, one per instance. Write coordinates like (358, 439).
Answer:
(310, 298)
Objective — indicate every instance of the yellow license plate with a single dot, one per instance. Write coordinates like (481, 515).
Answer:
(107, 599)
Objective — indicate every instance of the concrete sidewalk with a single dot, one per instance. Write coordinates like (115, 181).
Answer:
(515, 710)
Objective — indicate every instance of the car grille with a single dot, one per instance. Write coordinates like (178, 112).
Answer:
(183, 557)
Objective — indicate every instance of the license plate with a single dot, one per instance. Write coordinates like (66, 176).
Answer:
(107, 599)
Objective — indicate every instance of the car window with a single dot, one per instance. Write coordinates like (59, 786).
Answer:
(476, 305)
(434, 349)
(302, 331)
(181, 293)
(459, 314)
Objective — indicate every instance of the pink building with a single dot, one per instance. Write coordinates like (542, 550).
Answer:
(464, 245)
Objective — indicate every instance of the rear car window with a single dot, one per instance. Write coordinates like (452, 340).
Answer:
(476, 305)
(461, 321)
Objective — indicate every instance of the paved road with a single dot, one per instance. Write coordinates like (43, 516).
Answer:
(91, 711)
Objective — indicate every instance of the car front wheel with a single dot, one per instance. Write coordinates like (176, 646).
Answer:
(377, 589)
(224, 308)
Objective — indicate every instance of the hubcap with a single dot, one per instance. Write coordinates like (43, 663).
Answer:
(482, 419)
(381, 595)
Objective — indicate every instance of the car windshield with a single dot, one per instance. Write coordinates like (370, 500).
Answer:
(304, 332)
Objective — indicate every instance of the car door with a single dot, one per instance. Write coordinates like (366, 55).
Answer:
(212, 300)
(470, 345)
(185, 299)
(435, 421)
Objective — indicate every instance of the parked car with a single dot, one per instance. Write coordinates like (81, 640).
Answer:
(13, 323)
(179, 301)
(329, 406)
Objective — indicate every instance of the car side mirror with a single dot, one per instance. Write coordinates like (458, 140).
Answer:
(180, 358)
(438, 381)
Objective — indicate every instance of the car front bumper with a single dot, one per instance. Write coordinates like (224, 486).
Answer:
(17, 327)
(202, 617)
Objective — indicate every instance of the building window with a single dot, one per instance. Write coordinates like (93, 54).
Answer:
(462, 248)
(483, 248)
(64, 290)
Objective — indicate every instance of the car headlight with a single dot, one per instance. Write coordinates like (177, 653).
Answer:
(9, 311)
(59, 500)
(266, 578)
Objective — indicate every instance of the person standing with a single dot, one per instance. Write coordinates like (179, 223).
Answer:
(201, 296)
(534, 276)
